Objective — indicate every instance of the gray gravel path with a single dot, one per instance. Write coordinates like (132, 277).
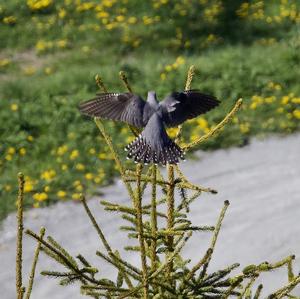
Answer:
(261, 181)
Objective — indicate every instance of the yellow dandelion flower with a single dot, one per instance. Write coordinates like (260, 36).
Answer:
(285, 100)
(8, 157)
(22, 151)
(120, 18)
(296, 113)
(4, 62)
(30, 138)
(89, 176)
(92, 151)
(28, 187)
(79, 166)
(10, 20)
(63, 43)
(47, 188)
(48, 175)
(245, 128)
(62, 150)
(64, 167)
(86, 49)
(168, 68)
(61, 194)
(11, 150)
(163, 76)
(79, 188)
(48, 70)
(62, 13)
(295, 100)
(29, 71)
(14, 107)
(202, 123)
(76, 183)
(42, 196)
(97, 179)
(74, 154)
(132, 20)
(76, 196)
(280, 110)
(7, 188)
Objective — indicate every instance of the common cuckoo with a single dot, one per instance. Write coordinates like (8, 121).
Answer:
(153, 145)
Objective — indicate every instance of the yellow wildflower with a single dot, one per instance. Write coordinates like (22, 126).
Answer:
(62, 13)
(76, 183)
(11, 150)
(62, 150)
(10, 20)
(29, 71)
(285, 100)
(89, 176)
(14, 107)
(47, 188)
(22, 151)
(163, 76)
(76, 196)
(42, 196)
(30, 138)
(74, 154)
(61, 194)
(63, 43)
(7, 187)
(120, 18)
(48, 175)
(4, 62)
(92, 151)
(79, 166)
(79, 188)
(48, 70)
(245, 128)
(28, 187)
(296, 113)
(132, 20)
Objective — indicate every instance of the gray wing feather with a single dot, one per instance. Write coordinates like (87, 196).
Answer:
(181, 106)
(126, 107)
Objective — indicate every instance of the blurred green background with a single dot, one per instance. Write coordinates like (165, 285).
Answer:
(52, 50)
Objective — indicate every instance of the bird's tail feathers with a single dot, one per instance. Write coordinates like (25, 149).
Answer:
(153, 145)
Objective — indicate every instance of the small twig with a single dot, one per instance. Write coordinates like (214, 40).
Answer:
(286, 289)
(100, 83)
(34, 263)
(20, 228)
(170, 215)
(189, 79)
(138, 207)
(124, 78)
(102, 237)
(60, 255)
(153, 218)
(258, 291)
(215, 236)
(217, 128)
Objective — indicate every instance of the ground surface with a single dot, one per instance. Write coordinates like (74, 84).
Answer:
(261, 181)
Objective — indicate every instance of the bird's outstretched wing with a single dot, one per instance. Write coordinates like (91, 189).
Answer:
(180, 106)
(126, 107)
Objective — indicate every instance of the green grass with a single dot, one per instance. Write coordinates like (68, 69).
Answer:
(41, 88)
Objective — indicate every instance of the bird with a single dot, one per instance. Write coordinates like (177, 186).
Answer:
(152, 145)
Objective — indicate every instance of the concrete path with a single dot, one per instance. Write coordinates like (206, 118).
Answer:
(261, 181)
